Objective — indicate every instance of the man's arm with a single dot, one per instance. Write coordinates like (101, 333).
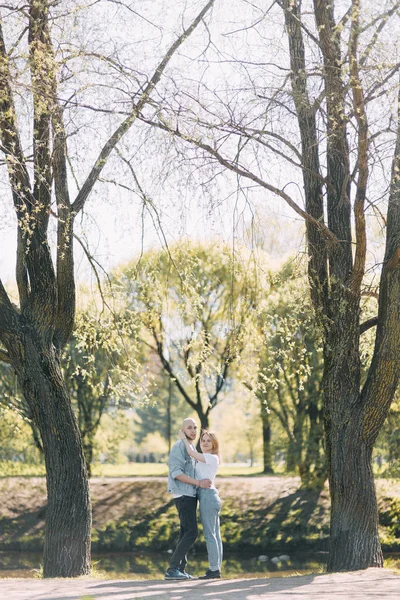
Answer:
(202, 483)
(177, 465)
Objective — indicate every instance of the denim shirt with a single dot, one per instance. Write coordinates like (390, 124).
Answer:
(179, 462)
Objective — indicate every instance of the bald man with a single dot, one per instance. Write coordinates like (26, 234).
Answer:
(183, 486)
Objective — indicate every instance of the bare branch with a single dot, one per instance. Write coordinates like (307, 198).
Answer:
(39, 46)
(167, 366)
(306, 116)
(384, 372)
(242, 171)
(338, 168)
(362, 155)
(384, 18)
(368, 324)
(10, 140)
(128, 122)
(94, 264)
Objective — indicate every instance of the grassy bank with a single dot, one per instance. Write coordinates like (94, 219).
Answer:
(260, 514)
(17, 469)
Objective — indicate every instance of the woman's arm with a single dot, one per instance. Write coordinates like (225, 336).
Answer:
(193, 453)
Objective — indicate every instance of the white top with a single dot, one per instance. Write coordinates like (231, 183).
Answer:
(208, 470)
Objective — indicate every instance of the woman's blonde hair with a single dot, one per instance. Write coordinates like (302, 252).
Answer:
(214, 441)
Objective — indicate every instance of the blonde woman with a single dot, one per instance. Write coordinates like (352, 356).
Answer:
(210, 503)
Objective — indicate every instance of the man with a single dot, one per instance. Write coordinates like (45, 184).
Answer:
(182, 484)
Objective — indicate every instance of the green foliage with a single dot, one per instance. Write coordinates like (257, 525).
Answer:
(290, 366)
(162, 413)
(16, 443)
(387, 448)
(19, 469)
(195, 305)
(112, 537)
(115, 428)
(389, 520)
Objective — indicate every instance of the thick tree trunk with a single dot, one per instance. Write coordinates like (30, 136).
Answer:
(68, 518)
(354, 540)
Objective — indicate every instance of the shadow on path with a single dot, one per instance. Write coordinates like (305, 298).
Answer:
(372, 584)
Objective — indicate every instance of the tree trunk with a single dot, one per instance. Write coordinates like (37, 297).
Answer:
(88, 453)
(204, 420)
(313, 472)
(68, 517)
(204, 424)
(295, 446)
(354, 540)
(266, 431)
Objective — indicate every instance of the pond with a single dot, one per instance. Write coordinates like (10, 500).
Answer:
(152, 566)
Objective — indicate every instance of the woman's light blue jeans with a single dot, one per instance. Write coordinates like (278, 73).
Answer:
(210, 507)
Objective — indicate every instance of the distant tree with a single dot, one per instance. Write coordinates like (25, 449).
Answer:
(290, 374)
(195, 305)
(90, 359)
(16, 442)
(388, 442)
(286, 360)
(162, 412)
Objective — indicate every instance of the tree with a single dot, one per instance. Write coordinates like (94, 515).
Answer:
(90, 361)
(388, 443)
(195, 305)
(90, 358)
(163, 412)
(35, 66)
(311, 115)
(290, 373)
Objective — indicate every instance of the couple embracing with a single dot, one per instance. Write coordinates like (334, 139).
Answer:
(191, 477)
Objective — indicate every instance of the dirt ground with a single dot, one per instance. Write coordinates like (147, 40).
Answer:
(372, 584)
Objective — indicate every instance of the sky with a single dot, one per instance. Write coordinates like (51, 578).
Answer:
(112, 224)
(115, 233)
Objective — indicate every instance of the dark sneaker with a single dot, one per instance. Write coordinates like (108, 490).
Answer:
(176, 575)
(211, 574)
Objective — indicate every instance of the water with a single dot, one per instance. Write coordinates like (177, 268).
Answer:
(153, 566)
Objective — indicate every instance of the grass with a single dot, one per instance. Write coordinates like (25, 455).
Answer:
(16, 469)
(130, 470)
(161, 469)
(10, 468)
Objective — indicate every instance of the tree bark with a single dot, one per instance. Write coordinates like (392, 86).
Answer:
(266, 433)
(354, 540)
(68, 517)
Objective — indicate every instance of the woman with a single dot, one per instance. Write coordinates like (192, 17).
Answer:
(210, 503)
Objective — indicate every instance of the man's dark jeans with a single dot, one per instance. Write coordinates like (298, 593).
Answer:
(186, 506)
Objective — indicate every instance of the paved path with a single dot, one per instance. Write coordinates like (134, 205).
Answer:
(372, 584)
